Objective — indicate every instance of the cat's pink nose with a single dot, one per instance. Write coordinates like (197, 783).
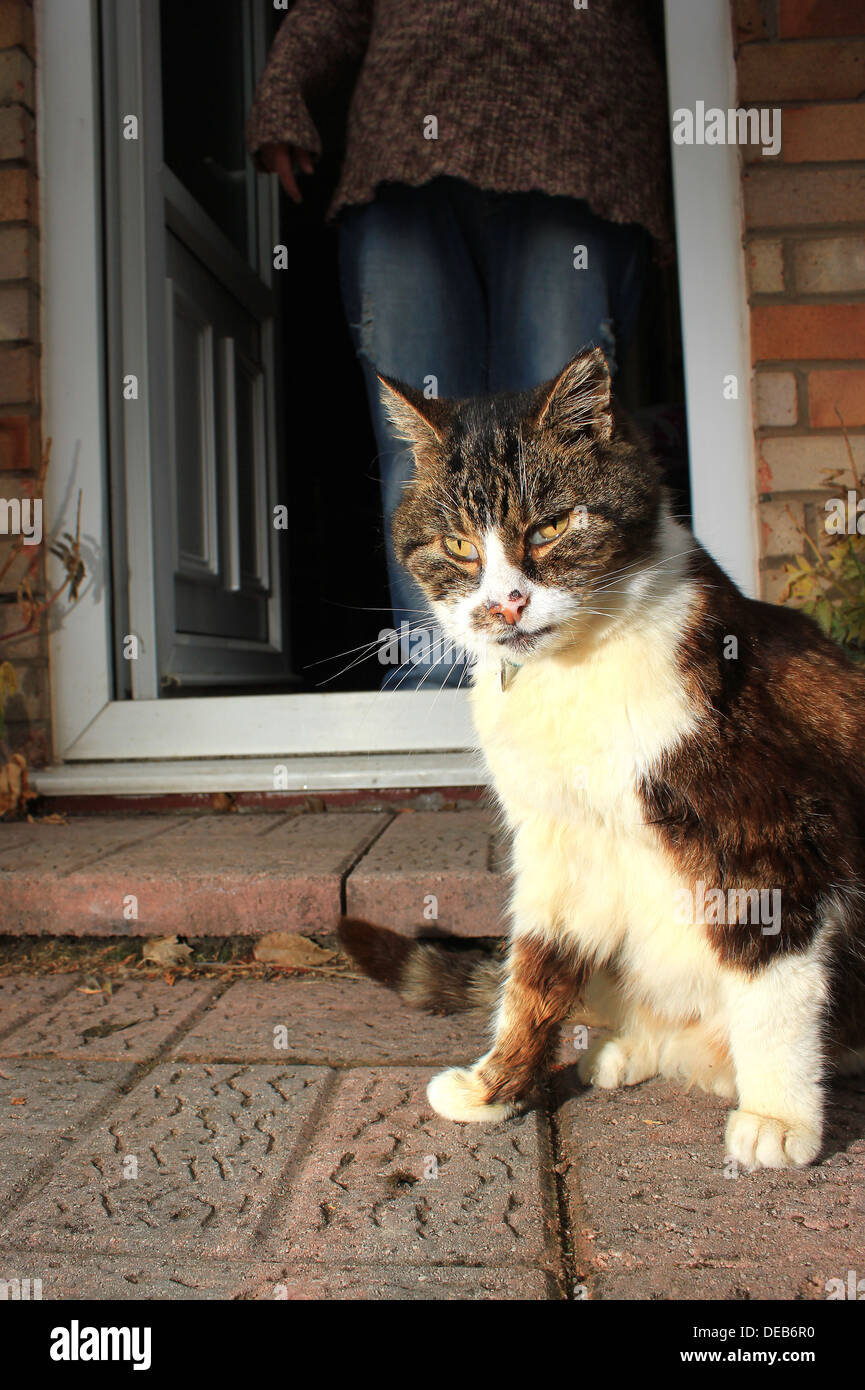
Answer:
(512, 608)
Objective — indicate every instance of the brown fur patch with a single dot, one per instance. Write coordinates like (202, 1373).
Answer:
(769, 792)
(542, 986)
(426, 977)
(380, 953)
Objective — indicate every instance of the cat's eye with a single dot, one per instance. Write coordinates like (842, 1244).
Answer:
(550, 530)
(460, 548)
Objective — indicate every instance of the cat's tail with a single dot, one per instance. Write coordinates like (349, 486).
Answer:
(426, 977)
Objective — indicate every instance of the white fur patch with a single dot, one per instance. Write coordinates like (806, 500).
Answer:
(774, 1022)
(458, 1095)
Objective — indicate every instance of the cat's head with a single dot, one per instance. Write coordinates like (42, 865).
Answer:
(529, 515)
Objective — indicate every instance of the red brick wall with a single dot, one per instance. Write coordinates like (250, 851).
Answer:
(20, 445)
(805, 250)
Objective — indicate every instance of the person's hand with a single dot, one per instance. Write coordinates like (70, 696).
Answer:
(280, 159)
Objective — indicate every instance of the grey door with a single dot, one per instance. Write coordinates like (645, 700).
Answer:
(190, 232)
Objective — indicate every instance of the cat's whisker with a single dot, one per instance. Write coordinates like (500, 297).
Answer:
(445, 681)
(432, 667)
(335, 656)
(345, 670)
(375, 608)
(375, 641)
(365, 656)
(639, 567)
(409, 665)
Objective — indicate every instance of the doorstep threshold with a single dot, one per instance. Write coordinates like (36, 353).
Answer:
(315, 773)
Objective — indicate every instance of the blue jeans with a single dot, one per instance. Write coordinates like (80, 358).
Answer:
(480, 291)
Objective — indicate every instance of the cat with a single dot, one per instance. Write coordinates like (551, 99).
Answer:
(681, 769)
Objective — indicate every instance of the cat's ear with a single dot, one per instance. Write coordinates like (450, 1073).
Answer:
(579, 397)
(420, 419)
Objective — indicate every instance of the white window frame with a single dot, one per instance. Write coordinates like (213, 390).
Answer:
(236, 742)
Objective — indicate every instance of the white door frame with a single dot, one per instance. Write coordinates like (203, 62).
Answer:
(710, 222)
(411, 739)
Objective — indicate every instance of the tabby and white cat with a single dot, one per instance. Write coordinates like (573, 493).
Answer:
(655, 740)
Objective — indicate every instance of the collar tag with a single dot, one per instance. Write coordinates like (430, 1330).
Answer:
(509, 670)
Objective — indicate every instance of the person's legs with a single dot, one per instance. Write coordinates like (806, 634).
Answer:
(416, 311)
(560, 279)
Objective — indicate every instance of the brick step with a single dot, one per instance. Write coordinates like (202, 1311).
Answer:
(431, 873)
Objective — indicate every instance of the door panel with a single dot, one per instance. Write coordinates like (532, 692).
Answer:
(247, 424)
(217, 430)
(191, 234)
(193, 445)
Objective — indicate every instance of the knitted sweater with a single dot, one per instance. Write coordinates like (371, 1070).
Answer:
(527, 94)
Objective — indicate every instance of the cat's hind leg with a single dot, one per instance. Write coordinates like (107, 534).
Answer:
(646, 1044)
(697, 1055)
(629, 1049)
(625, 1059)
(540, 987)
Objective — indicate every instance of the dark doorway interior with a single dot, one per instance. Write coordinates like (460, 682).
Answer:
(338, 590)
(339, 595)
(336, 582)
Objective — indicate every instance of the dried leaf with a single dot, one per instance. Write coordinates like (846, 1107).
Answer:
(166, 950)
(288, 949)
(104, 1030)
(93, 985)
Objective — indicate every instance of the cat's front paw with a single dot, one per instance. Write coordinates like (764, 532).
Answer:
(761, 1141)
(461, 1095)
(612, 1062)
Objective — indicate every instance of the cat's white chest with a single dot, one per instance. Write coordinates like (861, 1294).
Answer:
(566, 746)
(571, 740)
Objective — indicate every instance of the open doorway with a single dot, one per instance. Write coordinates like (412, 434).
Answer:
(260, 401)
(325, 474)
(340, 605)
(116, 721)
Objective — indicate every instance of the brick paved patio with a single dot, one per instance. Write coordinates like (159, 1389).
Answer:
(254, 872)
(272, 1139)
